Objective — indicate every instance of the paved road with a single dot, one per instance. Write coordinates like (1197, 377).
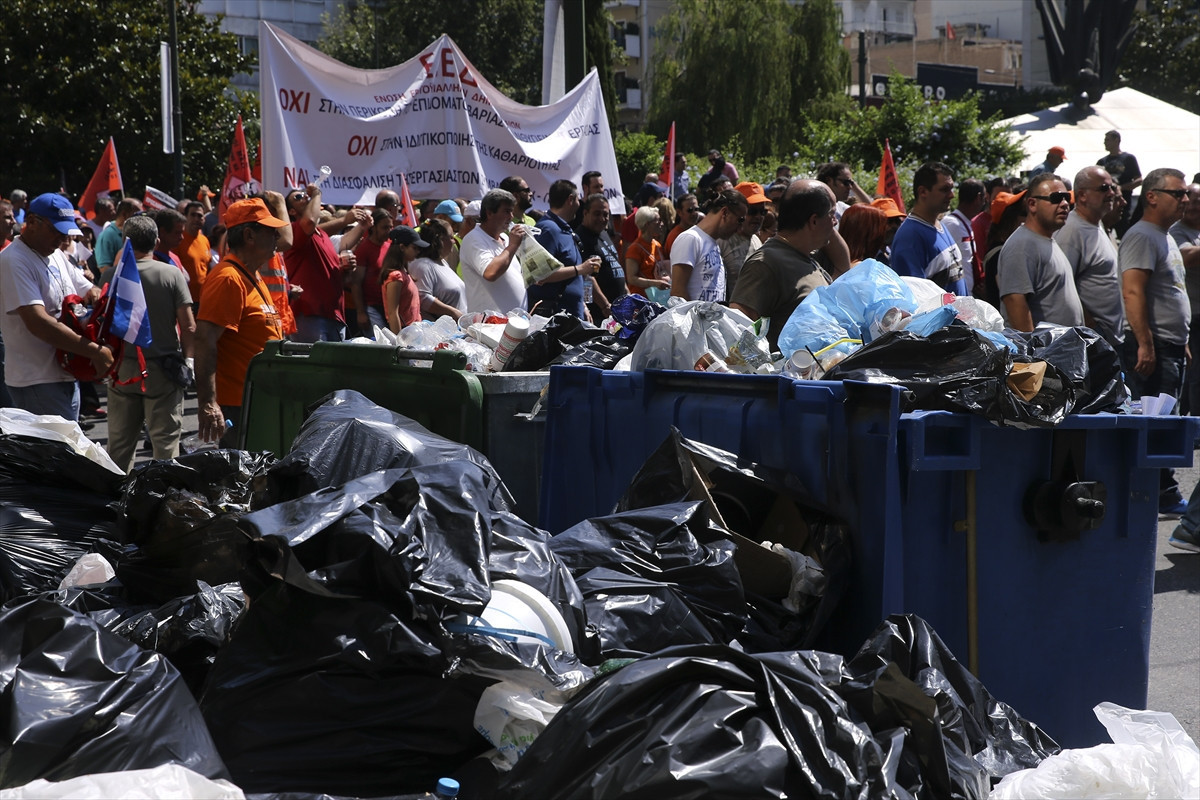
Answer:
(1175, 631)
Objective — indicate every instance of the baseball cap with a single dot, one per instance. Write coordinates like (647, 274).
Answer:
(450, 209)
(1058, 151)
(1001, 203)
(402, 234)
(473, 208)
(752, 191)
(253, 210)
(888, 206)
(58, 210)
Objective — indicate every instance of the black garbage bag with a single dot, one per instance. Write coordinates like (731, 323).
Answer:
(346, 436)
(1084, 358)
(602, 351)
(187, 630)
(77, 699)
(341, 676)
(538, 350)
(699, 589)
(752, 504)
(55, 506)
(182, 514)
(903, 720)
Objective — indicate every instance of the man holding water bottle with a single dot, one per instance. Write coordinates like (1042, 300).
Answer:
(569, 287)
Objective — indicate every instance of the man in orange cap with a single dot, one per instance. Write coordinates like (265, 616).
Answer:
(744, 241)
(1054, 157)
(237, 316)
(894, 218)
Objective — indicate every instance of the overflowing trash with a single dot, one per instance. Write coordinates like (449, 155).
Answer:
(367, 615)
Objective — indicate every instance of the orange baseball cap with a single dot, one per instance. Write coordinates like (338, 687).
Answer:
(888, 206)
(254, 210)
(752, 191)
(1002, 202)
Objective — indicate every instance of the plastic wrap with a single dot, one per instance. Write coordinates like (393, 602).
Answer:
(77, 699)
(634, 313)
(677, 339)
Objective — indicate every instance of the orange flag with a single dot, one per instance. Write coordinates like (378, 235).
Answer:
(889, 184)
(106, 179)
(239, 182)
(408, 215)
(666, 172)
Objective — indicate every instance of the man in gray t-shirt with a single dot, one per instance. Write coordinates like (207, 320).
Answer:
(1034, 275)
(1093, 256)
(1186, 234)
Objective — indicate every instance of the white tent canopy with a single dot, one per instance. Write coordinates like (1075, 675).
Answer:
(1157, 133)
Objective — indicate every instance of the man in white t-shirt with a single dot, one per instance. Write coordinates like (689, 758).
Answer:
(697, 272)
(972, 198)
(488, 256)
(32, 288)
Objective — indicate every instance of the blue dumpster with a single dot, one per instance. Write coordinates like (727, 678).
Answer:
(1031, 552)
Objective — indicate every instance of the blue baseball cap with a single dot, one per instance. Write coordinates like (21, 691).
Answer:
(450, 209)
(58, 210)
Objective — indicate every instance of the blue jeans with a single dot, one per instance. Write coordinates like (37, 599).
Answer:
(318, 329)
(1167, 378)
(1190, 521)
(60, 397)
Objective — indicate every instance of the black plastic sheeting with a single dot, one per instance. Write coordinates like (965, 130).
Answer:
(341, 676)
(55, 506)
(182, 515)
(1086, 361)
(565, 339)
(903, 719)
(77, 699)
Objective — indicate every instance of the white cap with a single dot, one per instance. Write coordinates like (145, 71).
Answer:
(472, 209)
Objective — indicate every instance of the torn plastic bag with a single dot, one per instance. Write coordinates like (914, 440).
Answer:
(602, 351)
(634, 313)
(55, 505)
(183, 516)
(345, 436)
(706, 721)
(662, 544)
(750, 505)
(77, 699)
(678, 338)
(1151, 756)
(539, 349)
(961, 737)
(1084, 358)
(187, 630)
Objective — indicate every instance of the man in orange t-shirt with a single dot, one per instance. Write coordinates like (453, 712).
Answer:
(194, 251)
(237, 317)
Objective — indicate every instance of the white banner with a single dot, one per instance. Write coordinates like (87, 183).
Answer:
(433, 118)
(156, 198)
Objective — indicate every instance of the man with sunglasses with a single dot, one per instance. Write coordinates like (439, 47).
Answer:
(697, 272)
(1093, 256)
(837, 177)
(1186, 234)
(1156, 305)
(1034, 276)
(314, 265)
(744, 241)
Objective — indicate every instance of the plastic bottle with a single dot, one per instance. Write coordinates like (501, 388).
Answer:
(194, 444)
(514, 332)
(587, 289)
(446, 787)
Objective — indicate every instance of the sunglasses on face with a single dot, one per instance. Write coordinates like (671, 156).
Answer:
(1104, 187)
(1178, 194)
(1054, 198)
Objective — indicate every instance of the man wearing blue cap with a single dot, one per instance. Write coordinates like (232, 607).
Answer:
(32, 288)
(448, 211)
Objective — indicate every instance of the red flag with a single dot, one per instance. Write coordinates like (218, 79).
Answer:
(666, 172)
(408, 215)
(106, 179)
(239, 182)
(889, 184)
(949, 30)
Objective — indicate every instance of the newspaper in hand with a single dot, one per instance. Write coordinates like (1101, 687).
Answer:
(536, 261)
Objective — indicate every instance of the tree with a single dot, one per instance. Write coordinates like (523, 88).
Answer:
(1161, 61)
(729, 68)
(78, 72)
(502, 38)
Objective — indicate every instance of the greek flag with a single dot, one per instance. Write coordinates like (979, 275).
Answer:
(130, 318)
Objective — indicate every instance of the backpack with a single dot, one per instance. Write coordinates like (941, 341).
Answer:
(94, 327)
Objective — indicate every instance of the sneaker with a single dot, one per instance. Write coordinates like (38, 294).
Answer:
(93, 413)
(1173, 511)
(1184, 540)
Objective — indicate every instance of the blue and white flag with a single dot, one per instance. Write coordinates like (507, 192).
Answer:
(130, 318)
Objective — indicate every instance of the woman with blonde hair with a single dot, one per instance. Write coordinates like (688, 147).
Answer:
(642, 257)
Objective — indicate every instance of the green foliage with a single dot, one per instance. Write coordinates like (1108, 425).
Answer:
(637, 154)
(920, 130)
(745, 68)
(501, 38)
(78, 72)
(1161, 61)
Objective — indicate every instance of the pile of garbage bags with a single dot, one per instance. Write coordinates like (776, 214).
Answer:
(367, 615)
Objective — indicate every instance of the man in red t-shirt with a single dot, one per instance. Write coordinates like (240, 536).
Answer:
(313, 265)
(369, 256)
